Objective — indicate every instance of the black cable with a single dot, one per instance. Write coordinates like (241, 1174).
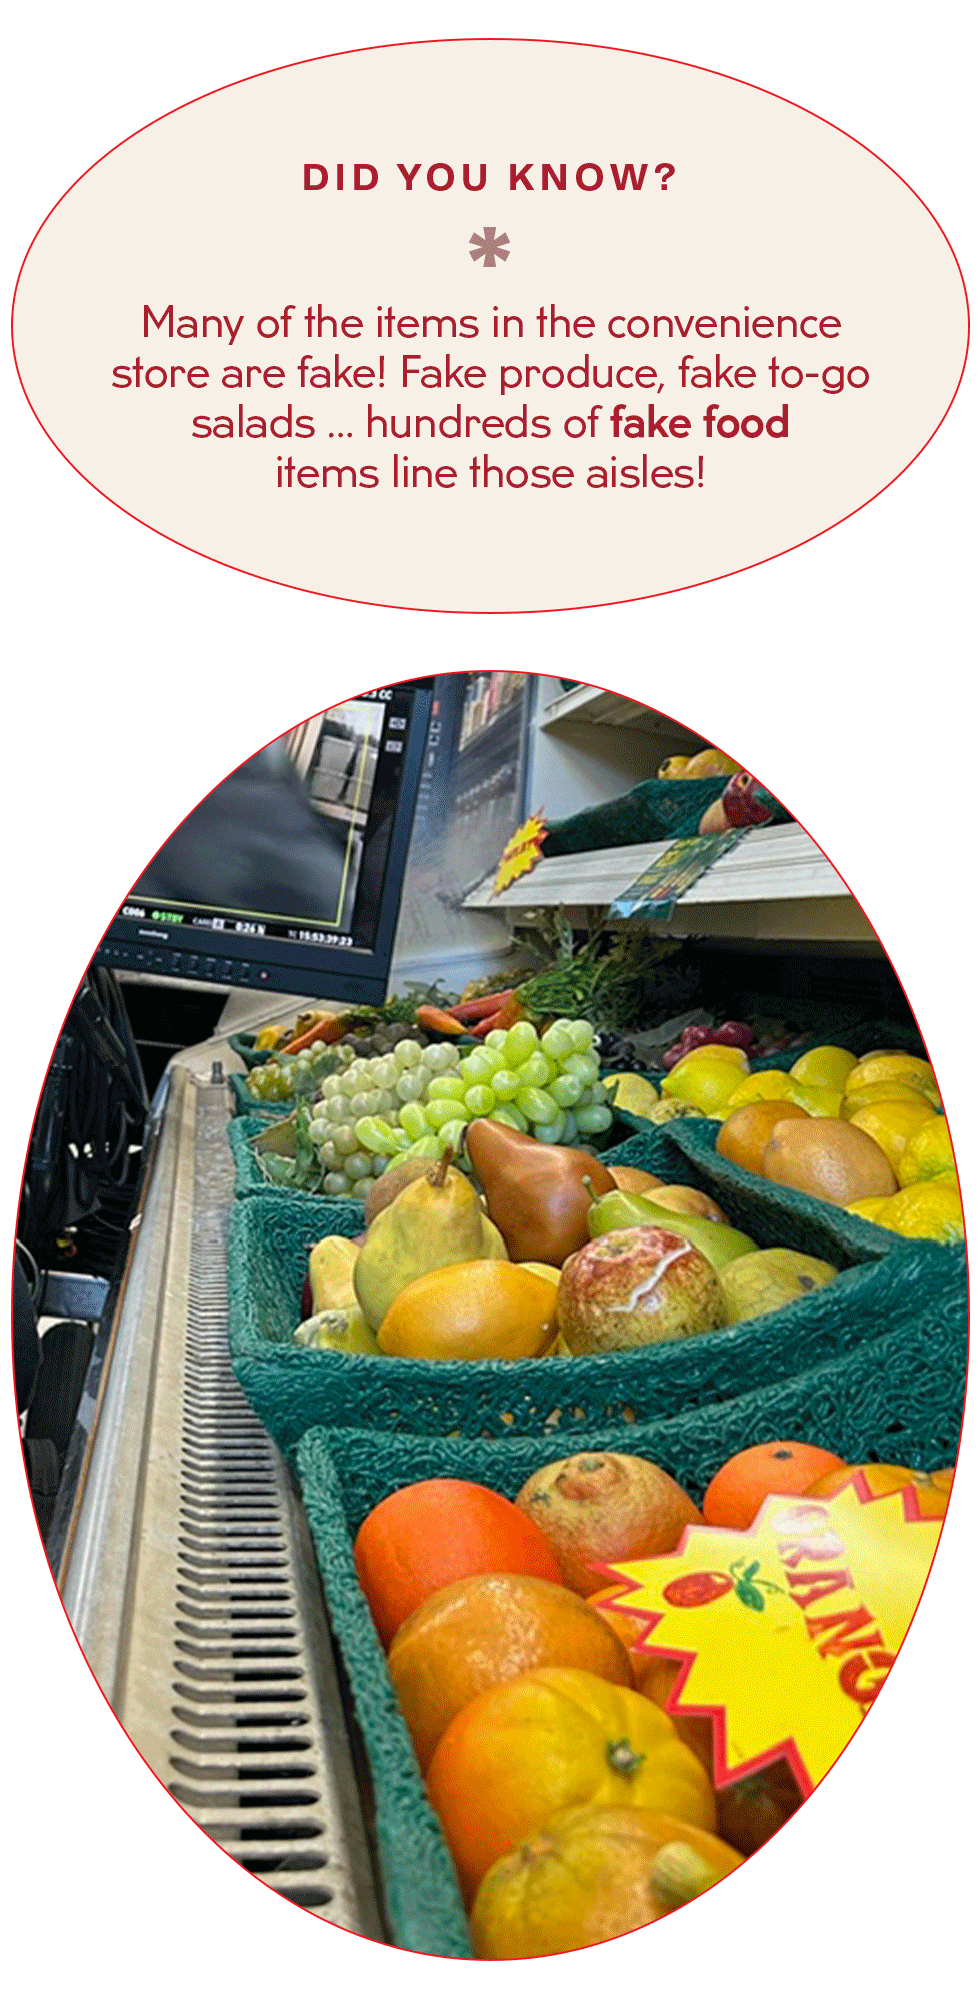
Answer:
(84, 1157)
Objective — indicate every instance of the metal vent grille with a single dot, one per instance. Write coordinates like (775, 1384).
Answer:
(230, 1688)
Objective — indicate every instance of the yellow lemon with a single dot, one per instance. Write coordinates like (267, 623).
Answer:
(819, 1099)
(893, 1067)
(870, 1208)
(715, 1052)
(828, 1067)
(893, 1123)
(632, 1093)
(707, 1085)
(881, 1093)
(929, 1152)
(766, 1083)
(931, 1208)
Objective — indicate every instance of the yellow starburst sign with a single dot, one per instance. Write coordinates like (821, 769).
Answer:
(522, 852)
(784, 1634)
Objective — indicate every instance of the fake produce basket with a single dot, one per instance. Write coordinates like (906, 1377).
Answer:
(897, 1398)
(885, 1284)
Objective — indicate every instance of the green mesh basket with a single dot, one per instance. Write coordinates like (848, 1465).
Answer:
(885, 1284)
(244, 1046)
(249, 1180)
(898, 1398)
(246, 1106)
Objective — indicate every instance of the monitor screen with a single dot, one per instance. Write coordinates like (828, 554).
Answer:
(288, 875)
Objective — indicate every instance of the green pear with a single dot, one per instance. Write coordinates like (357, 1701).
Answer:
(716, 1240)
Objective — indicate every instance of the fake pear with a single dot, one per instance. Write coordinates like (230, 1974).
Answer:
(344, 1329)
(433, 1222)
(536, 1194)
(768, 1279)
(717, 1241)
(332, 1263)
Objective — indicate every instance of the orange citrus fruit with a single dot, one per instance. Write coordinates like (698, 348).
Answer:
(931, 1488)
(594, 1872)
(486, 1630)
(746, 1132)
(430, 1534)
(739, 1488)
(485, 1310)
(557, 1737)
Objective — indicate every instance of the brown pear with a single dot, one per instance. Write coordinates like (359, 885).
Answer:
(536, 1194)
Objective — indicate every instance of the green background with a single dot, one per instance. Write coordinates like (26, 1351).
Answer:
(843, 675)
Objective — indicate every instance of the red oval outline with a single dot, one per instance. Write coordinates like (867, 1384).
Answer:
(541, 610)
(617, 1577)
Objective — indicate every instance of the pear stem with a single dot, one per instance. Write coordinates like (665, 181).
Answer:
(437, 1178)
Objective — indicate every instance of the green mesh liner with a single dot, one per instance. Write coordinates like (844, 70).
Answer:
(244, 1046)
(249, 1180)
(421, 1894)
(885, 1283)
(659, 809)
(898, 1398)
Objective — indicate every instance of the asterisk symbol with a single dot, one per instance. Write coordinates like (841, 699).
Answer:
(489, 246)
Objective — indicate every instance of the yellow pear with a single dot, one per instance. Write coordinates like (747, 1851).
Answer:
(332, 1262)
(433, 1223)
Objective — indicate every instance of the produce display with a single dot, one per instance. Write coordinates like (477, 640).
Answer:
(443, 1273)
(575, 1805)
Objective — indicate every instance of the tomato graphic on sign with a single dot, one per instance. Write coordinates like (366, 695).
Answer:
(688, 1593)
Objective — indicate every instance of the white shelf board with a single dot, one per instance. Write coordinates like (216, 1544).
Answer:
(593, 704)
(775, 883)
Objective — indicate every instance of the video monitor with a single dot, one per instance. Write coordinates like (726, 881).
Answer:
(288, 875)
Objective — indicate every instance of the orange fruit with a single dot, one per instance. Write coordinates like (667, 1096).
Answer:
(746, 1132)
(604, 1507)
(829, 1159)
(557, 1737)
(425, 1536)
(932, 1488)
(594, 1872)
(739, 1488)
(485, 1630)
(485, 1310)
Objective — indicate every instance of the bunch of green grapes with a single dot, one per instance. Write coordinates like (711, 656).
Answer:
(358, 1124)
(417, 1102)
(281, 1079)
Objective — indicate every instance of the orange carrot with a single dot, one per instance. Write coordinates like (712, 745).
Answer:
(437, 1022)
(329, 1029)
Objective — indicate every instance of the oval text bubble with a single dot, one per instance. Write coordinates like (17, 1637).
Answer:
(490, 326)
